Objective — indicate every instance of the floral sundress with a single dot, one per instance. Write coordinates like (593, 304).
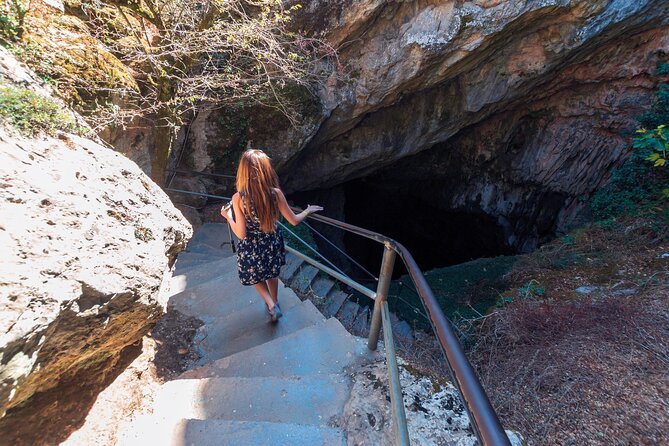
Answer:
(260, 255)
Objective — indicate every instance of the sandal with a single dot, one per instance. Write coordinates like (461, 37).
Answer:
(274, 313)
(277, 311)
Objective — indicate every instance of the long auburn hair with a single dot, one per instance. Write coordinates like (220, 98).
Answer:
(256, 180)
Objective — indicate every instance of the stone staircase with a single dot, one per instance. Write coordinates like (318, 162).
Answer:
(302, 381)
(255, 382)
(332, 301)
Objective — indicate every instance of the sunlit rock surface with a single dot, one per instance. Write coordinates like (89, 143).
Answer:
(87, 239)
(434, 412)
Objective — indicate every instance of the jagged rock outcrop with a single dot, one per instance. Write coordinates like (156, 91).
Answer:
(510, 110)
(87, 239)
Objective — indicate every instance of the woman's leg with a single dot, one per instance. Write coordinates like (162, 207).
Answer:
(262, 289)
(273, 286)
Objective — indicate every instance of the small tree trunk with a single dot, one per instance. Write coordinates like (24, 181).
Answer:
(164, 133)
(163, 138)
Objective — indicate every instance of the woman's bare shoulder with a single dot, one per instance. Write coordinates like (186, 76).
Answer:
(278, 192)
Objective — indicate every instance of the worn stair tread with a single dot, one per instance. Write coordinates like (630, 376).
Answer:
(218, 297)
(322, 286)
(203, 260)
(334, 302)
(288, 270)
(251, 327)
(210, 234)
(310, 400)
(187, 260)
(304, 277)
(234, 321)
(348, 312)
(323, 348)
(199, 274)
(257, 433)
(214, 250)
(193, 432)
(403, 332)
(361, 322)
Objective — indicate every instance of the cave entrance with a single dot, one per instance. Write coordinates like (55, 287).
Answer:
(434, 236)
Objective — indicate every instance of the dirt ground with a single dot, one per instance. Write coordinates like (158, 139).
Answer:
(166, 352)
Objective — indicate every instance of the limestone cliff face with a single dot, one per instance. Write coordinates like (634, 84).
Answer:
(87, 239)
(511, 108)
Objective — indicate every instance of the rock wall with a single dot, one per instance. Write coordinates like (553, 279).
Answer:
(512, 109)
(87, 240)
(530, 166)
(518, 103)
(425, 70)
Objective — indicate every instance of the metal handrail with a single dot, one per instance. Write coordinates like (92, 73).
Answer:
(194, 172)
(483, 418)
(341, 251)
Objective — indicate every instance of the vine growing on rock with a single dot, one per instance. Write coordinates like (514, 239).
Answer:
(189, 55)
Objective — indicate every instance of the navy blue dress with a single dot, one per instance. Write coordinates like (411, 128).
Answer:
(261, 254)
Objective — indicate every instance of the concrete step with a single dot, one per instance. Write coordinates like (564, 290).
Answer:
(155, 430)
(215, 250)
(251, 327)
(324, 348)
(304, 277)
(306, 400)
(321, 286)
(202, 259)
(360, 325)
(348, 312)
(212, 234)
(288, 270)
(200, 273)
(403, 332)
(219, 297)
(187, 260)
(257, 433)
(334, 302)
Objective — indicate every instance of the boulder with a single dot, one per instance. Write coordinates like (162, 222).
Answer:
(87, 241)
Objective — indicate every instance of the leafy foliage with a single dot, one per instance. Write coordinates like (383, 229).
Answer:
(193, 54)
(304, 233)
(32, 113)
(653, 142)
(531, 290)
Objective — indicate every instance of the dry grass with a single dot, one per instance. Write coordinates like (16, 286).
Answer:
(567, 368)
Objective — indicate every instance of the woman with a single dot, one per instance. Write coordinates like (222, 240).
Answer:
(257, 205)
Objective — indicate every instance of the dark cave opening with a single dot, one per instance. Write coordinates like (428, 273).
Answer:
(434, 236)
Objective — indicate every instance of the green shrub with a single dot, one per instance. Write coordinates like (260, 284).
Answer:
(31, 112)
(530, 290)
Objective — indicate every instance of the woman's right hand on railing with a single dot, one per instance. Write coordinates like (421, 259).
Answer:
(311, 208)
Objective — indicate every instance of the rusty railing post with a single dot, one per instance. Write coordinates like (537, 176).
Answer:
(385, 276)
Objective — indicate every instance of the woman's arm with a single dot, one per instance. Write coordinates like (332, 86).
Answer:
(237, 224)
(293, 218)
